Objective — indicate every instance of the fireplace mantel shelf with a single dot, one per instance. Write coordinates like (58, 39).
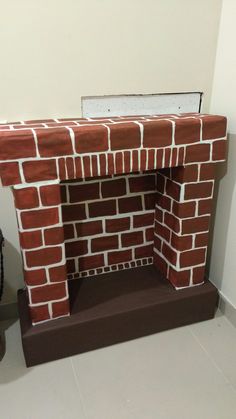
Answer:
(60, 149)
(95, 196)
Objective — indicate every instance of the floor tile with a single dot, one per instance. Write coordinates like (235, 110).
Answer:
(164, 376)
(218, 338)
(47, 391)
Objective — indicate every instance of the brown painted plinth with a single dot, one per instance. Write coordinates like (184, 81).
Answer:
(113, 308)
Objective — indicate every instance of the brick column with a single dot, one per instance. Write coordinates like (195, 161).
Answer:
(182, 218)
(38, 208)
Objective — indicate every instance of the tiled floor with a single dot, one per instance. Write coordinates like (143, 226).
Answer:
(185, 373)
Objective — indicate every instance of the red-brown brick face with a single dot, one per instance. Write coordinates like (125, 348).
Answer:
(15, 146)
(54, 142)
(39, 218)
(91, 139)
(213, 127)
(125, 136)
(157, 134)
(109, 222)
(26, 200)
(187, 131)
(10, 173)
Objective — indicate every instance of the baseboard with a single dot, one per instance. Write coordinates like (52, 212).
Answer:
(8, 311)
(227, 308)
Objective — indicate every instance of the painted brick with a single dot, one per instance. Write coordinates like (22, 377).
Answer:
(160, 264)
(207, 171)
(60, 308)
(213, 127)
(157, 133)
(201, 239)
(157, 243)
(119, 256)
(70, 266)
(159, 215)
(76, 248)
(184, 210)
(115, 187)
(54, 236)
(198, 190)
(197, 153)
(150, 200)
(198, 275)
(39, 218)
(125, 136)
(85, 192)
(195, 225)
(219, 150)
(117, 224)
(185, 174)
(31, 239)
(73, 212)
(91, 139)
(172, 222)
(17, 145)
(192, 257)
(35, 277)
(131, 239)
(48, 292)
(143, 220)
(163, 202)
(39, 313)
(204, 206)
(179, 278)
(104, 243)
(149, 234)
(181, 242)
(144, 251)
(50, 195)
(173, 189)
(10, 174)
(54, 142)
(91, 262)
(169, 254)
(142, 183)
(26, 198)
(58, 274)
(102, 208)
(162, 231)
(187, 131)
(43, 257)
(70, 168)
(130, 204)
(89, 228)
(39, 170)
(68, 231)
(160, 183)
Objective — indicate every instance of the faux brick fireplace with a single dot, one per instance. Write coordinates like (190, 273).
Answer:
(96, 197)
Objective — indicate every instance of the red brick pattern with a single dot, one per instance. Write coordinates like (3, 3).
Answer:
(37, 155)
(182, 226)
(80, 148)
(41, 233)
(115, 228)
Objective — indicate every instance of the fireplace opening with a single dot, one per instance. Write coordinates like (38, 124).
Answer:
(109, 223)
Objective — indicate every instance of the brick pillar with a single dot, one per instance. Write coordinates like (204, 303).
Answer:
(182, 218)
(38, 209)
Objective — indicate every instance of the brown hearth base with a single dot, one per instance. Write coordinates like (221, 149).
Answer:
(113, 308)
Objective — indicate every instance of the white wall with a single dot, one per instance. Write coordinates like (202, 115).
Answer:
(55, 51)
(223, 256)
